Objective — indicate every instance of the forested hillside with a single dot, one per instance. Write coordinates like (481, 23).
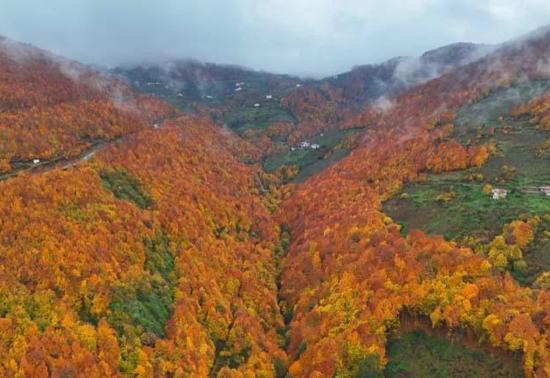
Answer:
(350, 273)
(53, 108)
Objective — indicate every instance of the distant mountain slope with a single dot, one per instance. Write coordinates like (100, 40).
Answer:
(522, 59)
(187, 83)
(328, 102)
(369, 82)
(279, 112)
(213, 84)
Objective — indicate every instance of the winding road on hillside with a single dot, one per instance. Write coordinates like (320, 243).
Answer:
(66, 163)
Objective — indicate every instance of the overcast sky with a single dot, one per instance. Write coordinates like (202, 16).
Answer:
(314, 37)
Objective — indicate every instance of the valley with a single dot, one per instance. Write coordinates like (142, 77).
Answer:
(201, 220)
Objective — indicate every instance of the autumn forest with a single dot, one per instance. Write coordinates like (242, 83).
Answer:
(272, 226)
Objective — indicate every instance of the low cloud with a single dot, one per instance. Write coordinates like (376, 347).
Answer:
(383, 104)
(543, 67)
(312, 37)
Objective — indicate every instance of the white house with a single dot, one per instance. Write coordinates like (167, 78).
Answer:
(256, 105)
(156, 126)
(298, 85)
(35, 161)
(238, 89)
(268, 97)
(305, 144)
(545, 190)
(498, 193)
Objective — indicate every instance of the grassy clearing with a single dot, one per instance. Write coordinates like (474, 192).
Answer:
(125, 186)
(250, 117)
(416, 354)
(148, 305)
(469, 212)
(537, 255)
